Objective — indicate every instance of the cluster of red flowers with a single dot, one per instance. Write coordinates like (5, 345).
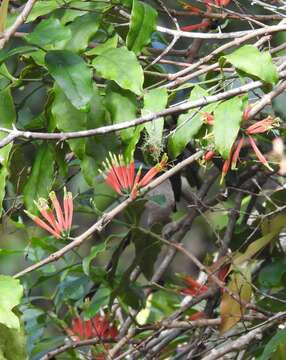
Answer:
(120, 174)
(193, 287)
(97, 327)
(258, 127)
(196, 10)
(58, 220)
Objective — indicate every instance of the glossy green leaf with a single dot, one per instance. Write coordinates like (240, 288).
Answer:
(68, 118)
(131, 146)
(101, 48)
(94, 251)
(253, 62)
(50, 32)
(188, 125)
(154, 101)
(11, 292)
(272, 274)
(122, 106)
(278, 339)
(100, 299)
(142, 25)
(91, 150)
(7, 119)
(40, 181)
(12, 344)
(227, 118)
(82, 29)
(20, 50)
(72, 75)
(44, 7)
(147, 250)
(127, 72)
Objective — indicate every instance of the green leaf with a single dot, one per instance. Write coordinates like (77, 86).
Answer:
(11, 292)
(131, 147)
(44, 7)
(68, 118)
(72, 75)
(49, 32)
(101, 48)
(12, 344)
(154, 101)
(188, 125)
(253, 248)
(82, 29)
(6, 54)
(272, 274)
(41, 178)
(127, 72)
(142, 25)
(91, 151)
(147, 250)
(122, 106)
(278, 339)
(253, 62)
(227, 118)
(7, 118)
(94, 251)
(100, 299)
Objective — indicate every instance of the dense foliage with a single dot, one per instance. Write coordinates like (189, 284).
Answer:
(142, 179)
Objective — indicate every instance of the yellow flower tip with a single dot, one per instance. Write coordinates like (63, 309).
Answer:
(52, 195)
(31, 216)
(222, 178)
(67, 194)
(42, 204)
(269, 167)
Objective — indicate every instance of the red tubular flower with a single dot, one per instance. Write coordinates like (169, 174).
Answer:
(197, 316)
(209, 155)
(97, 327)
(193, 288)
(191, 8)
(246, 112)
(236, 153)
(198, 26)
(103, 329)
(217, 2)
(225, 169)
(261, 126)
(208, 118)
(258, 153)
(120, 175)
(58, 222)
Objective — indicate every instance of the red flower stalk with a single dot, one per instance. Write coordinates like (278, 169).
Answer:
(121, 176)
(97, 327)
(260, 126)
(193, 288)
(58, 221)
